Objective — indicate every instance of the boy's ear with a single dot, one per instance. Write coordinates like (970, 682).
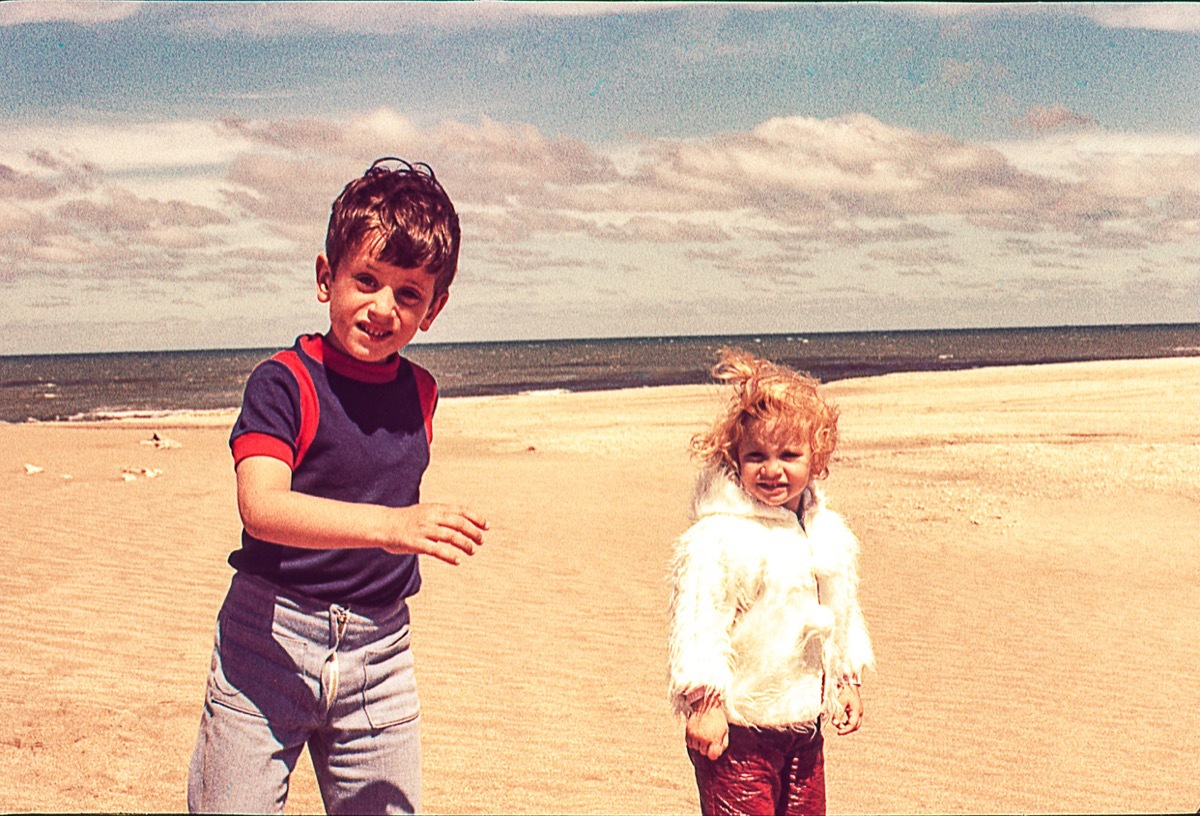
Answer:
(324, 278)
(435, 308)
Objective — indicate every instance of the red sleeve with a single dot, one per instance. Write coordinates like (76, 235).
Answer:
(261, 444)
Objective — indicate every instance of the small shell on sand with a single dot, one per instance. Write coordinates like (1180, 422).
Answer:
(130, 474)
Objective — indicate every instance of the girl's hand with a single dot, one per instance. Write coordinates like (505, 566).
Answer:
(708, 732)
(850, 710)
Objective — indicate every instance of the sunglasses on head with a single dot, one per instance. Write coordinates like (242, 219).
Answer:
(381, 166)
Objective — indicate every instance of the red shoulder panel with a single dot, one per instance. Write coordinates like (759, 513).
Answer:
(427, 392)
(310, 407)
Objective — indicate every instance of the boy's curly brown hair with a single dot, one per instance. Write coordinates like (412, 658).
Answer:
(400, 212)
(786, 401)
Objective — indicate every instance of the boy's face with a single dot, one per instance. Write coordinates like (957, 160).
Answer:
(375, 308)
(774, 467)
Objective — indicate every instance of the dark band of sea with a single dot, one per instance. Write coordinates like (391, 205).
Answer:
(117, 384)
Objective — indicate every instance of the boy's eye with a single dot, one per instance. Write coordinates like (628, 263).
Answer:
(408, 296)
(366, 281)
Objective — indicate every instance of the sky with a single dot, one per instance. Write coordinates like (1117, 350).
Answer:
(620, 169)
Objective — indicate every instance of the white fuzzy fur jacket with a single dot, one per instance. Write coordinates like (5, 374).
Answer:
(765, 611)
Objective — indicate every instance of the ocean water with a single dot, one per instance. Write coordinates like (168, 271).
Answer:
(100, 386)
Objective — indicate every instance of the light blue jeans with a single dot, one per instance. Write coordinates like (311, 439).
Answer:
(288, 672)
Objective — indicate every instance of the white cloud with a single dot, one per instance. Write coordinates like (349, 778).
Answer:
(1181, 17)
(19, 12)
(1177, 17)
(143, 148)
(1043, 119)
(1122, 189)
(829, 204)
(787, 172)
(269, 19)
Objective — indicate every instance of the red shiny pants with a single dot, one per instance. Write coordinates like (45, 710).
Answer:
(763, 773)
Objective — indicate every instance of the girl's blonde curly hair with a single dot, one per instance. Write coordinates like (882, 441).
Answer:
(786, 401)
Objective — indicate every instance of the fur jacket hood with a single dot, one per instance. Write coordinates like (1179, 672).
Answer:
(764, 607)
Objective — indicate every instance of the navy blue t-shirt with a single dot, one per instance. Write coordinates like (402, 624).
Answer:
(352, 431)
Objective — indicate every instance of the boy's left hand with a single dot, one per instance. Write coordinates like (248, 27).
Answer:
(850, 710)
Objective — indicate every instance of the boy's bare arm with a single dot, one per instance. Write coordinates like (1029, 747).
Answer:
(272, 511)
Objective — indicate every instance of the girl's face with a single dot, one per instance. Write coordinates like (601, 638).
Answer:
(774, 468)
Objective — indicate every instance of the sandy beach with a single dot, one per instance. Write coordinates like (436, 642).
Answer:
(1030, 572)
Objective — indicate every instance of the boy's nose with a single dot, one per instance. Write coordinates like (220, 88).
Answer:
(383, 303)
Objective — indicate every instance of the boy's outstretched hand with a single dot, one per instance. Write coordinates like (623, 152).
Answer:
(444, 531)
(708, 732)
(272, 511)
(850, 710)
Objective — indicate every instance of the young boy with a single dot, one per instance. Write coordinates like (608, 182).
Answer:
(312, 642)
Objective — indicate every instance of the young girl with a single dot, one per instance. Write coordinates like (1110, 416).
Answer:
(767, 637)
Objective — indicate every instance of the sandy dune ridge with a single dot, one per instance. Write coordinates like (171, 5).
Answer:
(1030, 567)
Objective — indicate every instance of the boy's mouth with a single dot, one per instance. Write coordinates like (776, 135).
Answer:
(374, 333)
